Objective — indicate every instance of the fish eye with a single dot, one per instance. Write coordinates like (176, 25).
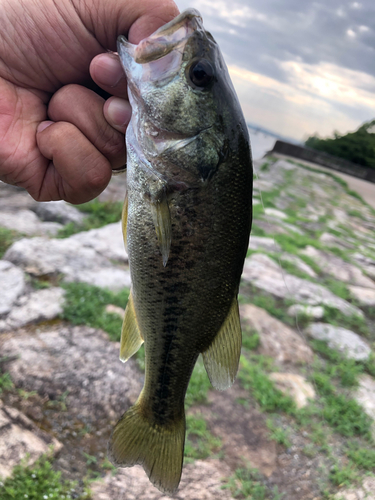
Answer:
(201, 73)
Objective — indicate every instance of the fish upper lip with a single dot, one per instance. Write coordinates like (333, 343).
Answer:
(162, 41)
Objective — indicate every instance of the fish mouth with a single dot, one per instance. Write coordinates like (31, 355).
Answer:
(163, 41)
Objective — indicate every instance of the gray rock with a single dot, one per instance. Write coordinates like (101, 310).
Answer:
(20, 439)
(199, 481)
(315, 312)
(42, 305)
(299, 263)
(364, 492)
(58, 211)
(107, 241)
(365, 296)
(275, 213)
(264, 273)
(78, 361)
(365, 395)
(40, 256)
(262, 243)
(295, 386)
(13, 284)
(341, 339)
(366, 263)
(276, 339)
(26, 222)
(338, 268)
(330, 240)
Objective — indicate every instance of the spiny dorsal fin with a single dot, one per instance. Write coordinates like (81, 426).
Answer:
(131, 338)
(125, 220)
(163, 225)
(222, 357)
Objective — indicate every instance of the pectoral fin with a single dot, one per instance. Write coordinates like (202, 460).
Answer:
(162, 221)
(222, 357)
(131, 338)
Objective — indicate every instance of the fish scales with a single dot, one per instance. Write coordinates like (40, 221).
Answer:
(187, 225)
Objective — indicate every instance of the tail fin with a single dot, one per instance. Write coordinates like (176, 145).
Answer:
(159, 450)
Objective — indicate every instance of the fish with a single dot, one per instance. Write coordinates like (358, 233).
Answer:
(186, 224)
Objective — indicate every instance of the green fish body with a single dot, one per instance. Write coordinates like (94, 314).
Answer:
(187, 220)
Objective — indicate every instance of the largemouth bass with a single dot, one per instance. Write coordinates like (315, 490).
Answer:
(186, 222)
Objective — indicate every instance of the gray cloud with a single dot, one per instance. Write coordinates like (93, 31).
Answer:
(312, 32)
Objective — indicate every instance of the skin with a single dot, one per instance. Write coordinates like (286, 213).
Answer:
(58, 138)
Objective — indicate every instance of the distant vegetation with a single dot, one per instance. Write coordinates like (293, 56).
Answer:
(357, 147)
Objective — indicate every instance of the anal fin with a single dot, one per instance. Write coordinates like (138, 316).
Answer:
(222, 356)
(131, 338)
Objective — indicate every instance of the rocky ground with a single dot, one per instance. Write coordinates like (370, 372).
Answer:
(299, 421)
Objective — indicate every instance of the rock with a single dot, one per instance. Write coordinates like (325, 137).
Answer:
(110, 308)
(275, 213)
(347, 342)
(262, 243)
(365, 296)
(294, 386)
(14, 198)
(107, 241)
(366, 263)
(330, 240)
(263, 272)
(276, 339)
(338, 268)
(26, 222)
(365, 395)
(364, 492)
(58, 211)
(77, 361)
(256, 202)
(13, 284)
(268, 226)
(263, 185)
(299, 263)
(315, 312)
(42, 305)
(20, 439)
(202, 480)
(40, 256)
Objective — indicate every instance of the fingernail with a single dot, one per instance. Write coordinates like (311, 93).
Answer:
(43, 125)
(119, 111)
(109, 70)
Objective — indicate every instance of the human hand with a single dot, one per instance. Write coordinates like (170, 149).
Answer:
(58, 138)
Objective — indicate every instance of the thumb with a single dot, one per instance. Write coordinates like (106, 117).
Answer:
(136, 19)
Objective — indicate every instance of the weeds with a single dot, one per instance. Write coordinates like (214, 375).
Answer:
(7, 238)
(6, 383)
(199, 443)
(98, 214)
(38, 482)
(85, 304)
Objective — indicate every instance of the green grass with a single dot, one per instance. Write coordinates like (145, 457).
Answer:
(364, 458)
(278, 434)
(6, 383)
(98, 214)
(253, 377)
(355, 322)
(85, 304)
(199, 385)
(7, 238)
(344, 475)
(39, 482)
(199, 443)
(247, 484)
(250, 339)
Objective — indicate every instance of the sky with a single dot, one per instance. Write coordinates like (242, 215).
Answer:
(299, 67)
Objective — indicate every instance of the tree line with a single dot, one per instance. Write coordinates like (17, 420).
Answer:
(357, 147)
